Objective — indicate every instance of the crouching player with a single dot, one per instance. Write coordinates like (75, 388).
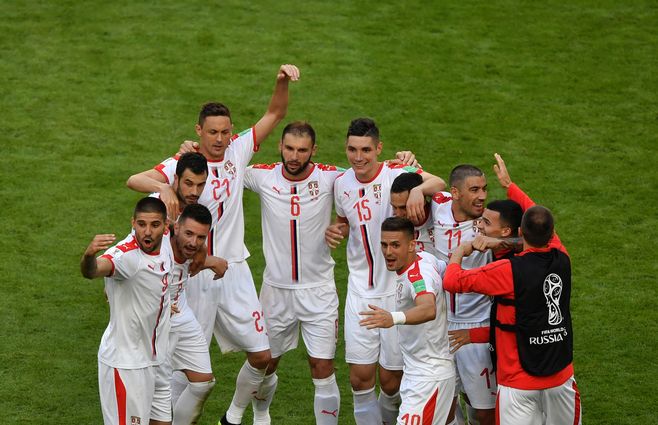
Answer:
(428, 382)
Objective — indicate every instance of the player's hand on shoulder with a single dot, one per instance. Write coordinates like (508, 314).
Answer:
(376, 318)
(501, 172)
(288, 71)
(100, 242)
(168, 196)
(188, 146)
(406, 158)
(335, 234)
(416, 205)
(466, 248)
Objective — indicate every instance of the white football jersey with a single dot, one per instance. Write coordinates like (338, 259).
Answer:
(294, 216)
(223, 196)
(180, 273)
(366, 205)
(425, 347)
(448, 235)
(424, 235)
(138, 332)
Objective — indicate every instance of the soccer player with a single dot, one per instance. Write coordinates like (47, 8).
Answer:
(136, 272)
(188, 349)
(361, 197)
(533, 323)
(298, 283)
(428, 383)
(454, 217)
(424, 232)
(229, 309)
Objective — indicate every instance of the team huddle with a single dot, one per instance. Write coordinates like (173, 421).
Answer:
(450, 301)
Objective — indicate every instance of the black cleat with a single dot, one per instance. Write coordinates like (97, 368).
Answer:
(224, 421)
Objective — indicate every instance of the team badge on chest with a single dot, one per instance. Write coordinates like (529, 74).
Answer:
(313, 189)
(229, 167)
(377, 191)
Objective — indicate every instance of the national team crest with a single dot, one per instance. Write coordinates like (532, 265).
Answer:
(229, 167)
(377, 190)
(313, 189)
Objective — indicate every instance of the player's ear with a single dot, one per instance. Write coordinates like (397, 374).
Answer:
(198, 130)
(412, 246)
(506, 232)
(380, 146)
(281, 145)
(454, 192)
(314, 149)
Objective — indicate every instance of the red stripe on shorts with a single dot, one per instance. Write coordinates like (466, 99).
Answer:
(120, 391)
(428, 410)
(576, 417)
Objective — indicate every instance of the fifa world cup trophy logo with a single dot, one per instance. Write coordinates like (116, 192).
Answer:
(552, 292)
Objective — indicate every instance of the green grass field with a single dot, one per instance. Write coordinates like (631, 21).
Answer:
(92, 92)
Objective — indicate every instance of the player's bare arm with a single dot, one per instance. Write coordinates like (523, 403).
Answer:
(416, 201)
(464, 250)
(92, 267)
(278, 107)
(501, 172)
(423, 311)
(199, 260)
(217, 265)
(336, 232)
(150, 181)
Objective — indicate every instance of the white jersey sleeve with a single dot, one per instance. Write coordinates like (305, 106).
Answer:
(425, 347)
(365, 205)
(294, 216)
(168, 168)
(448, 235)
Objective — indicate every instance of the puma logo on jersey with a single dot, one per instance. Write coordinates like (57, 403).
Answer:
(151, 266)
(276, 190)
(333, 413)
(347, 195)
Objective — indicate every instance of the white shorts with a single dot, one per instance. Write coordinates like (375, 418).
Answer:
(161, 405)
(188, 349)
(425, 402)
(369, 346)
(315, 309)
(126, 394)
(557, 405)
(475, 373)
(229, 309)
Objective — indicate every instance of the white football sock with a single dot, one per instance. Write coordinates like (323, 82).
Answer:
(366, 408)
(246, 386)
(178, 384)
(189, 406)
(261, 401)
(327, 401)
(389, 405)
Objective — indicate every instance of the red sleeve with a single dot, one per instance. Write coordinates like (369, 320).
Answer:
(479, 335)
(493, 279)
(517, 195)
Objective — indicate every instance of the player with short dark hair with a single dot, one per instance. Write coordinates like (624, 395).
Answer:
(361, 198)
(136, 272)
(534, 339)
(420, 311)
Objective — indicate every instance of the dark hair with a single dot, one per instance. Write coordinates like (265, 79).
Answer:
(196, 212)
(399, 224)
(537, 226)
(213, 109)
(363, 127)
(405, 182)
(150, 205)
(193, 161)
(510, 213)
(299, 129)
(461, 172)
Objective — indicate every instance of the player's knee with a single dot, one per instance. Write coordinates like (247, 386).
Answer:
(321, 368)
(486, 416)
(389, 380)
(260, 359)
(362, 377)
